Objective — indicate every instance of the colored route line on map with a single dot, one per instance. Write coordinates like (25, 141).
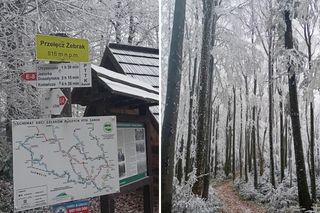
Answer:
(37, 162)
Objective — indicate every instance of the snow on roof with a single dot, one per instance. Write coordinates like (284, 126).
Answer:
(124, 84)
(140, 63)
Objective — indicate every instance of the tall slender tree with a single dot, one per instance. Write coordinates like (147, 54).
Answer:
(216, 154)
(270, 81)
(253, 133)
(281, 136)
(211, 79)
(227, 163)
(240, 140)
(308, 24)
(253, 137)
(204, 96)
(268, 46)
(234, 135)
(172, 104)
(246, 131)
(192, 92)
(303, 192)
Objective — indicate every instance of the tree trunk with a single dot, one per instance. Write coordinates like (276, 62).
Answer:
(117, 23)
(270, 91)
(188, 166)
(230, 149)
(307, 37)
(213, 129)
(318, 155)
(261, 150)
(246, 157)
(206, 179)
(270, 68)
(226, 165)
(204, 96)
(216, 148)
(246, 134)
(281, 140)
(172, 104)
(179, 171)
(290, 154)
(303, 192)
(234, 135)
(207, 176)
(253, 133)
(312, 172)
(285, 140)
(258, 136)
(240, 144)
(249, 149)
(132, 29)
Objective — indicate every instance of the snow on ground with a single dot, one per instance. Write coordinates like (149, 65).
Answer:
(6, 196)
(185, 201)
(282, 199)
(190, 203)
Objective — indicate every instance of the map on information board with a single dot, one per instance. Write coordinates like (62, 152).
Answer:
(63, 159)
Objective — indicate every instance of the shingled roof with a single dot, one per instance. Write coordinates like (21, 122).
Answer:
(141, 63)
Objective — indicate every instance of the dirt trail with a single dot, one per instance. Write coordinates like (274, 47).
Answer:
(232, 202)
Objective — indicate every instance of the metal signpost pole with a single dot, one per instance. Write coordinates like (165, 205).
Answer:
(67, 110)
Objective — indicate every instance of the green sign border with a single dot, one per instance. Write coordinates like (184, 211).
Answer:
(132, 179)
(130, 125)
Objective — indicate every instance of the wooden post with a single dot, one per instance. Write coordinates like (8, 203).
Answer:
(148, 189)
(107, 204)
(148, 197)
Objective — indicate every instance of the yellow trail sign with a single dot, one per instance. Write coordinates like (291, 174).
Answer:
(56, 48)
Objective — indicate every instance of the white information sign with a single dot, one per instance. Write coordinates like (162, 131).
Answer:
(63, 75)
(132, 155)
(53, 102)
(63, 159)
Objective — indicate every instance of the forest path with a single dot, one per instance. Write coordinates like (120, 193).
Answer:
(232, 201)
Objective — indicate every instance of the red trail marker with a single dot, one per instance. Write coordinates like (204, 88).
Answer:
(29, 76)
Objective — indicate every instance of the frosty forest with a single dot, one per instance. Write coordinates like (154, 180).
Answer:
(240, 105)
(133, 22)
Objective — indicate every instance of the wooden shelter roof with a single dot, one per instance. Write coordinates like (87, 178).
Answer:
(140, 63)
(116, 89)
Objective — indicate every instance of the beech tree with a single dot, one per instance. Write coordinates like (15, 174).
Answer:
(204, 94)
(171, 109)
(308, 19)
(303, 192)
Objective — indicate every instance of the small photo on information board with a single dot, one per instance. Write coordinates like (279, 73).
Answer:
(132, 156)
